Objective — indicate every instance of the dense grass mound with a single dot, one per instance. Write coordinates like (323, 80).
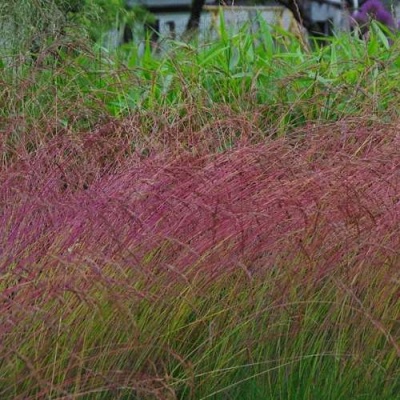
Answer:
(269, 270)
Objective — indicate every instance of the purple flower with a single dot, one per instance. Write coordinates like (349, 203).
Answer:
(385, 17)
(371, 7)
(374, 9)
(360, 17)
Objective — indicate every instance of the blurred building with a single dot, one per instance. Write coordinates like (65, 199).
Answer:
(171, 16)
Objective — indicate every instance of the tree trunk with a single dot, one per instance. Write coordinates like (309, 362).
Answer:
(299, 11)
(195, 13)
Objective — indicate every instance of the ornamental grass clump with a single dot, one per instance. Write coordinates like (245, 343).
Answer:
(268, 270)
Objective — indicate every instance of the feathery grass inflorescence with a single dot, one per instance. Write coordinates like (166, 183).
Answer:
(268, 270)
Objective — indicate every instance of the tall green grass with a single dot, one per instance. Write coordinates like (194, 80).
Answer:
(271, 75)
